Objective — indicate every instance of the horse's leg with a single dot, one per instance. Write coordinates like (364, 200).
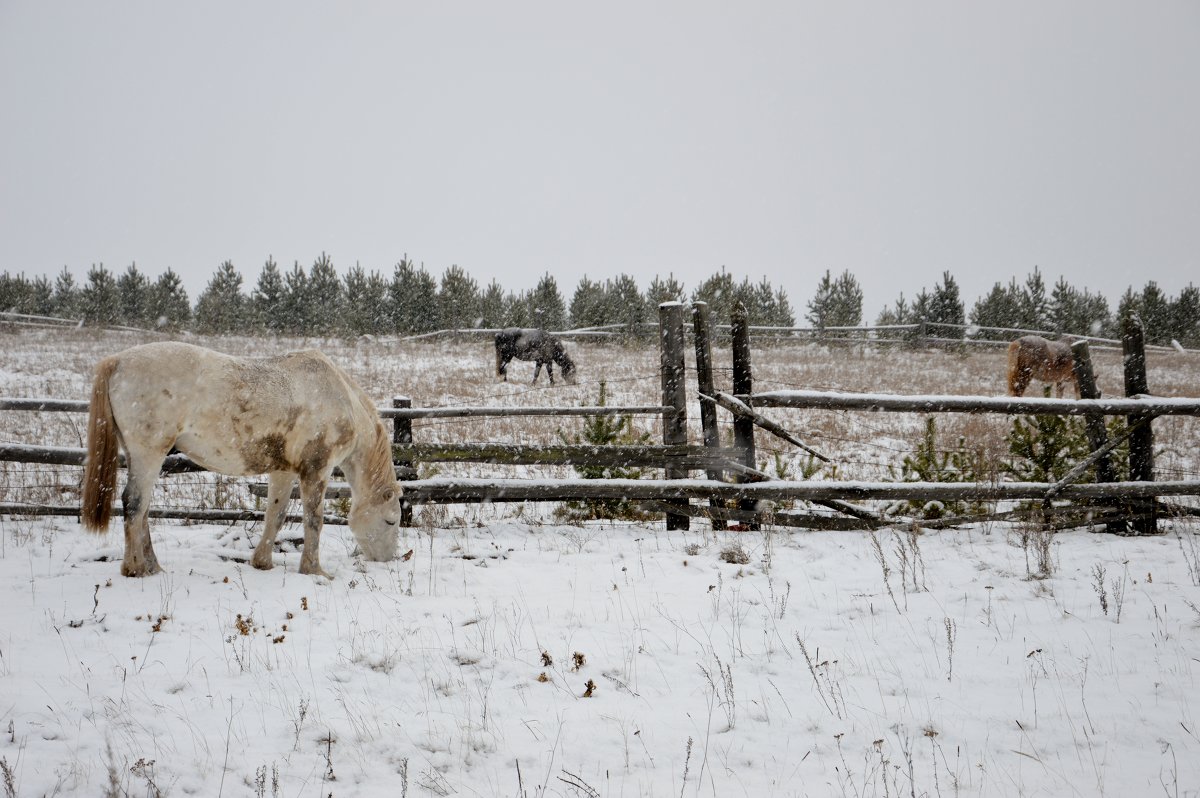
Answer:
(144, 465)
(537, 370)
(312, 497)
(502, 366)
(279, 493)
(550, 370)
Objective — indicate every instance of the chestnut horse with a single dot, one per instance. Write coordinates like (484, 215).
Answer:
(293, 416)
(535, 345)
(1032, 357)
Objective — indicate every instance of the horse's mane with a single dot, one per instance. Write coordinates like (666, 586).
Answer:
(378, 462)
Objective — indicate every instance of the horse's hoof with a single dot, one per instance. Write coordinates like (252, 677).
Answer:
(315, 570)
(262, 565)
(145, 570)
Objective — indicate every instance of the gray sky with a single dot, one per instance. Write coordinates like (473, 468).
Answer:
(896, 140)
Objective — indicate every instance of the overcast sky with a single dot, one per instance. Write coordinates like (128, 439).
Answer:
(896, 140)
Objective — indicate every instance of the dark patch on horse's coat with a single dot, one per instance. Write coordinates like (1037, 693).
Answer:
(266, 453)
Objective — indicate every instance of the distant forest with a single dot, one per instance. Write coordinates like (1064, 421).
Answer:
(410, 300)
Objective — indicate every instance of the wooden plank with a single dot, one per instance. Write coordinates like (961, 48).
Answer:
(825, 400)
(52, 405)
(516, 412)
(193, 514)
(467, 490)
(70, 456)
(691, 457)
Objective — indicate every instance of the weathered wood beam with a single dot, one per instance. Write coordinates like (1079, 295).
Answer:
(1141, 405)
(515, 412)
(469, 490)
(194, 514)
(653, 456)
(743, 410)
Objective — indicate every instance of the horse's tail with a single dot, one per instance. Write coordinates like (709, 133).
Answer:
(100, 469)
(1017, 381)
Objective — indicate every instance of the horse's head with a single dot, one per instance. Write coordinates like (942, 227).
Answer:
(567, 365)
(374, 523)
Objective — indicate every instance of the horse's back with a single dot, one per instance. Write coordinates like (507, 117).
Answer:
(233, 415)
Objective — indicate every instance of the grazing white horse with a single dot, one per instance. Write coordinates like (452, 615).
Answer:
(292, 417)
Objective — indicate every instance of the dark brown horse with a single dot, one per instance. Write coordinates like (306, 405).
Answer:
(536, 345)
(1032, 357)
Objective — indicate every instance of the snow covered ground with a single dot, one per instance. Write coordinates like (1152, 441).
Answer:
(466, 669)
(509, 655)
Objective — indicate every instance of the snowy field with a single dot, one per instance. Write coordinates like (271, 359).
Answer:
(512, 655)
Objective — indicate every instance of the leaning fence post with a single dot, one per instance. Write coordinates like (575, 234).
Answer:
(1097, 435)
(674, 393)
(743, 386)
(1141, 442)
(402, 436)
(704, 382)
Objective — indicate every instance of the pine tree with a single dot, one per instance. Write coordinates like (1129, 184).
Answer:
(1185, 317)
(945, 306)
(168, 304)
(625, 303)
(660, 291)
(899, 313)
(412, 299)
(1156, 314)
(40, 300)
(836, 302)
(221, 308)
(1034, 306)
(100, 300)
(1061, 310)
(718, 291)
(267, 299)
(365, 300)
(1001, 308)
(326, 301)
(491, 306)
(588, 304)
(296, 303)
(784, 317)
(134, 289)
(458, 300)
(518, 310)
(67, 300)
(549, 310)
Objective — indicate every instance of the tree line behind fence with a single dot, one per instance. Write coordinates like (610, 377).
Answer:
(320, 301)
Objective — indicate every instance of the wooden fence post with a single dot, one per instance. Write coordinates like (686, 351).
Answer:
(402, 436)
(704, 381)
(1097, 434)
(743, 386)
(674, 392)
(1141, 442)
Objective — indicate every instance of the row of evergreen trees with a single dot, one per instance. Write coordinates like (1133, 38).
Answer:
(1021, 306)
(318, 301)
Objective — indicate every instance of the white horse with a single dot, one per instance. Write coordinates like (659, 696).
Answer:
(293, 416)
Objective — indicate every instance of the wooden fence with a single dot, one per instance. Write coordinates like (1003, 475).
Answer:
(734, 489)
